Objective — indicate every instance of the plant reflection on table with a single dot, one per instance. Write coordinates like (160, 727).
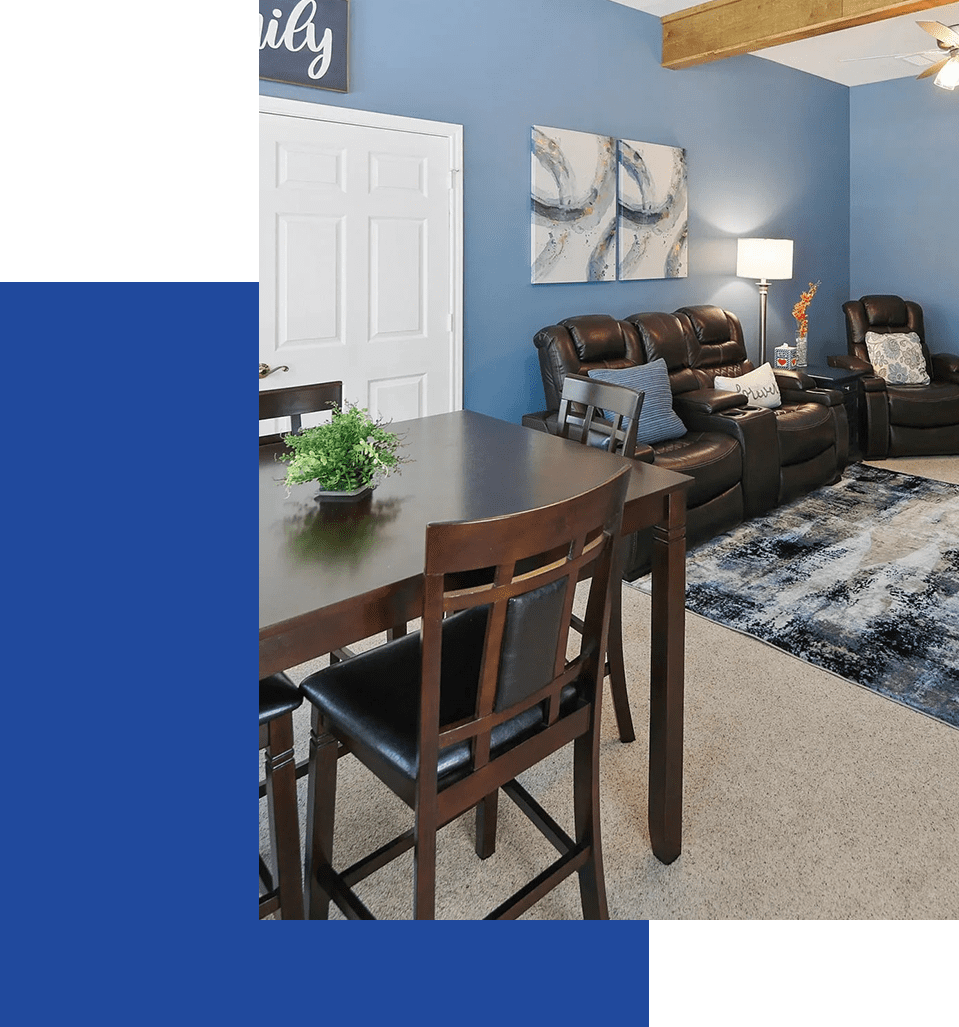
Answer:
(338, 533)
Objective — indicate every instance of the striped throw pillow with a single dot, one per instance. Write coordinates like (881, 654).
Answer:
(657, 419)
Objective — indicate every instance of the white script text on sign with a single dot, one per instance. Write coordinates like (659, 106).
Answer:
(305, 43)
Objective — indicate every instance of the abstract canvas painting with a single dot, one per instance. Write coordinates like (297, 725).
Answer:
(573, 206)
(652, 214)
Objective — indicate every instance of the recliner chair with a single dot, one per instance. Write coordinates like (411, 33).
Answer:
(901, 420)
(812, 432)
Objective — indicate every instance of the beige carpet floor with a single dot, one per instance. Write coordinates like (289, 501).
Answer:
(805, 797)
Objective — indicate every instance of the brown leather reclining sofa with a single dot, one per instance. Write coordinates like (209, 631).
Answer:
(744, 460)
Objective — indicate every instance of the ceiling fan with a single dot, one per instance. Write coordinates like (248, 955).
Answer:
(946, 70)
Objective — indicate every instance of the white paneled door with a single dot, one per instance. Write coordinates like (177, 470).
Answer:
(361, 256)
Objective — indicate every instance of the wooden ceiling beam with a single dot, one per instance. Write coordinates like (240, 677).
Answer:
(725, 28)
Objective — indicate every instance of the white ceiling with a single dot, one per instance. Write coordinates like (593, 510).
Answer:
(829, 56)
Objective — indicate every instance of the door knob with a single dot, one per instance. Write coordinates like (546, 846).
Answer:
(265, 369)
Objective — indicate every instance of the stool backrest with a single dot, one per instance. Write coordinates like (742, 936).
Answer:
(523, 659)
(296, 401)
(617, 404)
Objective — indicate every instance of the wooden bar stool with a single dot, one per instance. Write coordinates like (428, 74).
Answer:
(621, 408)
(283, 894)
(449, 715)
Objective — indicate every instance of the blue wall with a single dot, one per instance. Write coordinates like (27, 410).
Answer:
(904, 189)
(767, 152)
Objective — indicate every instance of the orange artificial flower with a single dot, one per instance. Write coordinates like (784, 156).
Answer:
(799, 310)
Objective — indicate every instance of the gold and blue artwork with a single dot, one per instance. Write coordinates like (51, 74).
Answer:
(573, 206)
(606, 208)
(652, 211)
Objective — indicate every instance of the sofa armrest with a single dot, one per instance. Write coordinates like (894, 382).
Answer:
(798, 387)
(707, 401)
(644, 454)
(793, 380)
(945, 367)
(754, 428)
(541, 420)
(827, 397)
(850, 363)
(873, 383)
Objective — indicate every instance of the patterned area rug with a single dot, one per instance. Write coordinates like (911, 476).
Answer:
(859, 578)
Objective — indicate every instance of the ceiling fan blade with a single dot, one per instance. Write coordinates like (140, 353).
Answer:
(933, 69)
(942, 32)
(882, 56)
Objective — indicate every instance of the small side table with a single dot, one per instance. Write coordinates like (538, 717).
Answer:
(849, 384)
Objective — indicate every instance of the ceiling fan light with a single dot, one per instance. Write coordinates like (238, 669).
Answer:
(948, 77)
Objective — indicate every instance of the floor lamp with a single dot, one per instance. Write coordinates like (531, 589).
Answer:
(763, 259)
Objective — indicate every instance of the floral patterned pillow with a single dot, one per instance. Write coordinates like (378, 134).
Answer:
(898, 358)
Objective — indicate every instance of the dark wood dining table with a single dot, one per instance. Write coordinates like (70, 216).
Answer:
(332, 574)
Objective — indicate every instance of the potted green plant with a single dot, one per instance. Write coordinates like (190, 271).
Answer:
(348, 456)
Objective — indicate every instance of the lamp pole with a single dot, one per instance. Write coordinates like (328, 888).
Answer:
(763, 290)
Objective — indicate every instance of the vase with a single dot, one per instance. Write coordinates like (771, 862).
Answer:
(354, 496)
(800, 350)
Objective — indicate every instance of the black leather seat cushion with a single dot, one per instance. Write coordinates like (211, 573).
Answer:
(278, 695)
(924, 406)
(373, 699)
(804, 430)
(714, 461)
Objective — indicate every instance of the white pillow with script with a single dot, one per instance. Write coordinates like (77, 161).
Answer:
(758, 386)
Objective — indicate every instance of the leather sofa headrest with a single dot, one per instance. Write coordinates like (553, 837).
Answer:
(663, 335)
(711, 324)
(596, 337)
(718, 346)
(885, 311)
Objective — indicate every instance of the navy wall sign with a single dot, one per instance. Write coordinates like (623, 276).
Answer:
(305, 42)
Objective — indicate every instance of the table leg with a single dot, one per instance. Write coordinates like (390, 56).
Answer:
(667, 656)
(615, 666)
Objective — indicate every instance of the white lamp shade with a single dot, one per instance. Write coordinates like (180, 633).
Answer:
(764, 258)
